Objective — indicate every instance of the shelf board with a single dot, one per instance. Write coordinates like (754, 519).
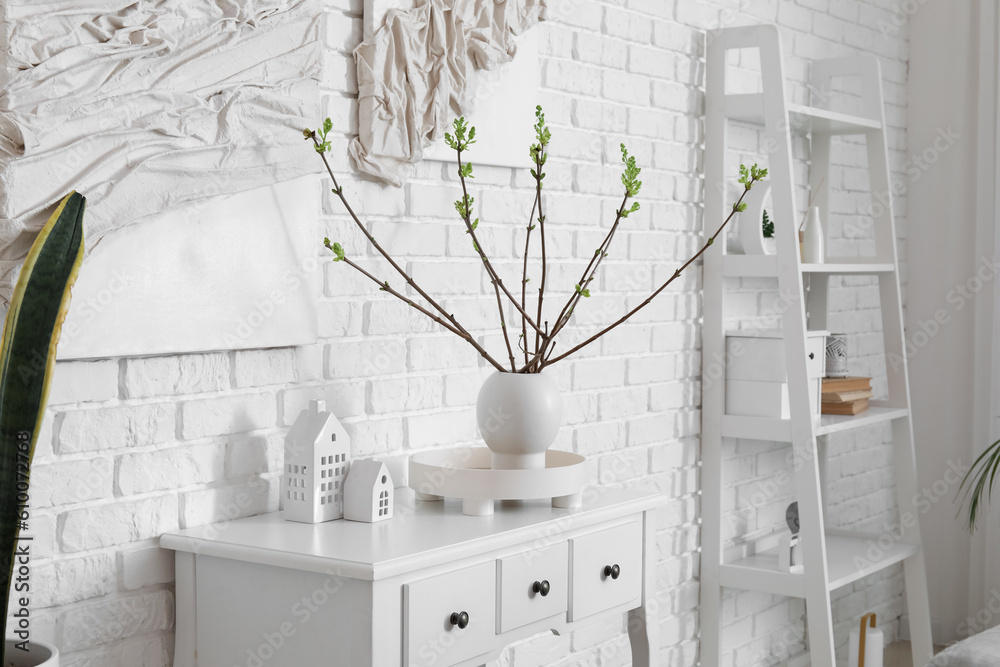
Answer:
(801, 118)
(766, 266)
(780, 430)
(874, 415)
(848, 267)
(847, 560)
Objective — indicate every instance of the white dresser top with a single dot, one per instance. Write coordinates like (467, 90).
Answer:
(420, 534)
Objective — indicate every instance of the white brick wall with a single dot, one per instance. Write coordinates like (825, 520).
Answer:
(135, 447)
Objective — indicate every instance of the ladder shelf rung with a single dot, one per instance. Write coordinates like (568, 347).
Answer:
(847, 560)
(780, 430)
(749, 108)
(766, 266)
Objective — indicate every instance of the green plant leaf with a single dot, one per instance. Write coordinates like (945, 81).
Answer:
(37, 309)
(582, 291)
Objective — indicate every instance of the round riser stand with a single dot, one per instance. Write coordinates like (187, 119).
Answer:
(466, 473)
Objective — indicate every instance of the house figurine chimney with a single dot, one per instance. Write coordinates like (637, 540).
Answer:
(317, 460)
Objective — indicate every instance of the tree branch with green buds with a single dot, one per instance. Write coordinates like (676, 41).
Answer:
(540, 355)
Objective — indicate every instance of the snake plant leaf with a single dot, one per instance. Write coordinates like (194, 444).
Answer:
(27, 357)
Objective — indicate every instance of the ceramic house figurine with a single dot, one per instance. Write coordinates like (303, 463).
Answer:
(368, 492)
(317, 453)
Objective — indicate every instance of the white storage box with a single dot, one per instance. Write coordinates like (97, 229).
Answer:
(756, 374)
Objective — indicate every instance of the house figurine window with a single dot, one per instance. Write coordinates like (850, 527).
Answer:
(368, 492)
(316, 443)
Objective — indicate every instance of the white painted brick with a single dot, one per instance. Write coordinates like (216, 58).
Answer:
(66, 482)
(341, 32)
(365, 358)
(344, 399)
(169, 468)
(228, 503)
(255, 368)
(68, 580)
(168, 376)
(404, 394)
(442, 428)
(625, 87)
(440, 352)
(254, 454)
(115, 618)
(117, 427)
(118, 523)
(80, 381)
(227, 414)
(146, 567)
(374, 437)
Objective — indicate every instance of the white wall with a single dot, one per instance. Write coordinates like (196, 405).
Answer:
(135, 447)
(952, 234)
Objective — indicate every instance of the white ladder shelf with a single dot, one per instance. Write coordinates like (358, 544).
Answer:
(828, 555)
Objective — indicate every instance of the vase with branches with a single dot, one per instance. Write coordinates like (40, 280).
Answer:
(518, 403)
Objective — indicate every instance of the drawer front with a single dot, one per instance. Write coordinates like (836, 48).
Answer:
(763, 359)
(429, 637)
(520, 603)
(816, 356)
(592, 590)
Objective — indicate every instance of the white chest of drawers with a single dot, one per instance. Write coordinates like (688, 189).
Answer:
(431, 587)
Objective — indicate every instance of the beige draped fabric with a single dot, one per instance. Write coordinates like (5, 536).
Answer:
(414, 74)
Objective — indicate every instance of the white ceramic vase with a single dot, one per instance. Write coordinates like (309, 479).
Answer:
(39, 654)
(519, 415)
(812, 245)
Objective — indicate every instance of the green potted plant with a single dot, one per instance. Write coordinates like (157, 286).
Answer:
(519, 389)
(27, 357)
(978, 485)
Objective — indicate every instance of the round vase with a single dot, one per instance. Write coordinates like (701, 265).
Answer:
(39, 654)
(519, 415)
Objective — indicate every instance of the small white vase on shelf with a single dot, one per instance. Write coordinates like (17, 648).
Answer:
(519, 415)
(812, 244)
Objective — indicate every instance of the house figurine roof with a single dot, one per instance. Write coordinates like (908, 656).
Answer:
(314, 423)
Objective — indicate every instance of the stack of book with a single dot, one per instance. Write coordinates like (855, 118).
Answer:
(846, 396)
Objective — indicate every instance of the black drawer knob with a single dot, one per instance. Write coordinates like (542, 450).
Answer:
(461, 619)
(541, 587)
(612, 571)
(812, 355)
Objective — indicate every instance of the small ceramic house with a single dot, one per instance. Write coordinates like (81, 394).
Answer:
(368, 492)
(317, 453)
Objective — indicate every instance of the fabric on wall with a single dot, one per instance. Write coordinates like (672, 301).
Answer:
(415, 73)
(144, 107)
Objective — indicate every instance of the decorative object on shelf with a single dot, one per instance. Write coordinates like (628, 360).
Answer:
(846, 395)
(465, 472)
(31, 334)
(812, 238)
(536, 341)
(789, 552)
(368, 492)
(756, 378)
(866, 644)
(751, 236)
(519, 415)
(836, 355)
(317, 460)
